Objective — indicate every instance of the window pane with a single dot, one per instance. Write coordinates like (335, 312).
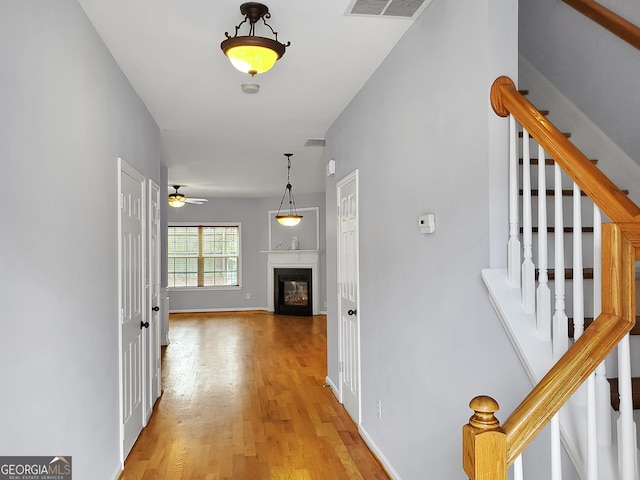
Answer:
(221, 271)
(220, 249)
(183, 241)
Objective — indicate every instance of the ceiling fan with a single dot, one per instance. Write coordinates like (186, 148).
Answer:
(177, 199)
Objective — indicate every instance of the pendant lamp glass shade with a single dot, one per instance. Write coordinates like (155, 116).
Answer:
(252, 59)
(250, 53)
(176, 199)
(288, 218)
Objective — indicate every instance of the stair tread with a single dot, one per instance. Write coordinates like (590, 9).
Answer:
(589, 320)
(549, 161)
(553, 229)
(566, 192)
(587, 273)
(615, 395)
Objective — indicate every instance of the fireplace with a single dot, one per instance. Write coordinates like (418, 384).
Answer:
(292, 293)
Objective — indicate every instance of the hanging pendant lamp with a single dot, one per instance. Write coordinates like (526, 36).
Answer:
(291, 218)
(250, 53)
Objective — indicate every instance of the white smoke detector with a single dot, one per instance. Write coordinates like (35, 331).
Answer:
(250, 87)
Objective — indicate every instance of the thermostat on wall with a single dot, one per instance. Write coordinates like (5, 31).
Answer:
(427, 223)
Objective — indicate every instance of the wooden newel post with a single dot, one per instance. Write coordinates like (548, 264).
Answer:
(484, 444)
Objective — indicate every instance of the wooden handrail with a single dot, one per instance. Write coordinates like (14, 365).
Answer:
(620, 250)
(506, 99)
(608, 19)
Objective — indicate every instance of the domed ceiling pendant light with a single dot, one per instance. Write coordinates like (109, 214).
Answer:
(292, 218)
(249, 53)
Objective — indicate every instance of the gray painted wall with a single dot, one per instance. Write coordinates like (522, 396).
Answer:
(594, 69)
(422, 135)
(252, 213)
(67, 113)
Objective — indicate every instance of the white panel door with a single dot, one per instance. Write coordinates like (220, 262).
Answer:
(348, 298)
(152, 388)
(132, 304)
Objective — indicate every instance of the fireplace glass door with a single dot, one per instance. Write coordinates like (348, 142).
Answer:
(292, 292)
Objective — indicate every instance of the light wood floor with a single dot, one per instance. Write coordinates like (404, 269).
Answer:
(244, 398)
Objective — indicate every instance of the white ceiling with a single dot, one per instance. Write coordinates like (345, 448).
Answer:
(216, 140)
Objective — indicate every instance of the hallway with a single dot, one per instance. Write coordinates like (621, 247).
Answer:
(244, 399)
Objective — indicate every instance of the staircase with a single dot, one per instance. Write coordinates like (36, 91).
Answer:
(547, 298)
(587, 272)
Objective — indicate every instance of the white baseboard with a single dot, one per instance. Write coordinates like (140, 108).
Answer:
(119, 470)
(378, 453)
(333, 387)
(213, 310)
(232, 309)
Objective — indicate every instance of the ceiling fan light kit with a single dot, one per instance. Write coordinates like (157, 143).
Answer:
(290, 218)
(177, 199)
(250, 53)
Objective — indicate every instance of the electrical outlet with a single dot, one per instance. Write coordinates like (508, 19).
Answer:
(248, 295)
(379, 408)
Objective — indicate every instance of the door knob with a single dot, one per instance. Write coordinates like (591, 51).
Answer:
(144, 324)
(156, 308)
(351, 312)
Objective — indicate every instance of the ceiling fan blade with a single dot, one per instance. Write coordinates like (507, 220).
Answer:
(196, 201)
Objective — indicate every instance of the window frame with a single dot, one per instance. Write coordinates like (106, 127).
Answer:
(210, 287)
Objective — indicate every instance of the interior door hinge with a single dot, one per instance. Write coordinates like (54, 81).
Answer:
(340, 367)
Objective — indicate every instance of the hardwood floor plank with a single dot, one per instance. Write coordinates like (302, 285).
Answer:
(244, 398)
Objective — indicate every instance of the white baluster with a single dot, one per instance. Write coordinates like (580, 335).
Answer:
(627, 451)
(543, 294)
(518, 471)
(513, 247)
(592, 430)
(528, 269)
(580, 397)
(556, 449)
(560, 327)
(603, 390)
(578, 265)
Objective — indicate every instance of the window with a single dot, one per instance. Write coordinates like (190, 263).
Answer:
(204, 256)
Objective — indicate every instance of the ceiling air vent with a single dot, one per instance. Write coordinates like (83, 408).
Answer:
(387, 8)
(315, 142)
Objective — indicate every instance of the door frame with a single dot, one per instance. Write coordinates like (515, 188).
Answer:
(124, 167)
(353, 176)
(152, 334)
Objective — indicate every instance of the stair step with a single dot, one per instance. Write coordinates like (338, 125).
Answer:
(615, 395)
(587, 273)
(588, 321)
(549, 161)
(565, 192)
(523, 92)
(565, 229)
(566, 134)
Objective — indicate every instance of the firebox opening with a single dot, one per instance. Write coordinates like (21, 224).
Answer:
(292, 291)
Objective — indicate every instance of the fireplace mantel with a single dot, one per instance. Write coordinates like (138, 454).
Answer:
(292, 259)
